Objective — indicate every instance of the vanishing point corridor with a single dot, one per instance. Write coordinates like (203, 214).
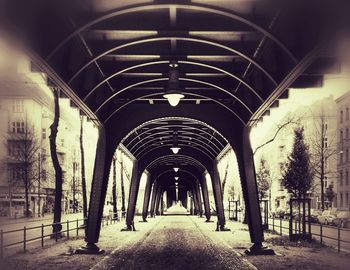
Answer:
(174, 134)
(175, 242)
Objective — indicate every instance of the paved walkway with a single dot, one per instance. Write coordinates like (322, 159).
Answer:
(177, 242)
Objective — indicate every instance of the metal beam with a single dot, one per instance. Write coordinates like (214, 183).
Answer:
(180, 79)
(236, 77)
(186, 39)
(293, 75)
(193, 94)
(195, 7)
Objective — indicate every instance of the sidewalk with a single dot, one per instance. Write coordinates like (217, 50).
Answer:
(290, 255)
(48, 217)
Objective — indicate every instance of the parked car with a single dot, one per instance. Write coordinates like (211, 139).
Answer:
(278, 213)
(327, 217)
(342, 220)
(314, 215)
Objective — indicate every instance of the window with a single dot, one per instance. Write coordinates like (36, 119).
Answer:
(341, 116)
(44, 175)
(325, 142)
(347, 178)
(15, 173)
(341, 136)
(281, 185)
(347, 133)
(341, 200)
(341, 157)
(18, 106)
(43, 154)
(347, 114)
(18, 127)
(281, 167)
(341, 178)
(325, 182)
(346, 155)
(14, 149)
(43, 133)
(62, 142)
(325, 126)
(346, 199)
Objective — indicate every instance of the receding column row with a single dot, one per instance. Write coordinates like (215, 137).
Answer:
(154, 191)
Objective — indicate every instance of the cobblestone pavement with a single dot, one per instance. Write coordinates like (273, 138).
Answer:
(175, 242)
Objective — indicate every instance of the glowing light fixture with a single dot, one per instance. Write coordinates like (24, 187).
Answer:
(175, 149)
(173, 95)
(176, 169)
(176, 178)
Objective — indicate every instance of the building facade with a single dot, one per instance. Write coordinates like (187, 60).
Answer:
(320, 131)
(26, 109)
(343, 139)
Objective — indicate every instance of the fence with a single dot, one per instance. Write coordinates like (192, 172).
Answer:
(336, 237)
(326, 235)
(22, 237)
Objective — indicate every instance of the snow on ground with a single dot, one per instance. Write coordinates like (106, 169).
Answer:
(178, 242)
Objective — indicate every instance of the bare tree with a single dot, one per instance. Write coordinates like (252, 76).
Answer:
(290, 120)
(231, 192)
(114, 190)
(82, 167)
(122, 187)
(323, 149)
(224, 180)
(330, 194)
(56, 227)
(74, 184)
(23, 159)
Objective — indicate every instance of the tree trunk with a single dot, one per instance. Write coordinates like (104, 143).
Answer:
(322, 183)
(122, 188)
(82, 166)
(114, 191)
(26, 191)
(74, 188)
(39, 186)
(56, 227)
(224, 182)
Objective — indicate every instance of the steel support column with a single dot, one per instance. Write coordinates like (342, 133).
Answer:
(206, 198)
(195, 200)
(146, 198)
(216, 183)
(158, 195)
(133, 192)
(153, 199)
(102, 165)
(199, 199)
(250, 193)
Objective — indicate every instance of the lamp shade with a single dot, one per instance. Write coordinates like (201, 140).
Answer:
(173, 98)
(175, 149)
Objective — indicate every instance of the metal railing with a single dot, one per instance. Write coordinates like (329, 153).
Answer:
(24, 236)
(335, 234)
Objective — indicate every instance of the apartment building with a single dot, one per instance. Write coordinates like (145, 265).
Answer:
(26, 109)
(343, 106)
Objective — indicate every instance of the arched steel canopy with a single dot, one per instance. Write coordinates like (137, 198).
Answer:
(235, 59)
(191, 134)
(248, 55)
